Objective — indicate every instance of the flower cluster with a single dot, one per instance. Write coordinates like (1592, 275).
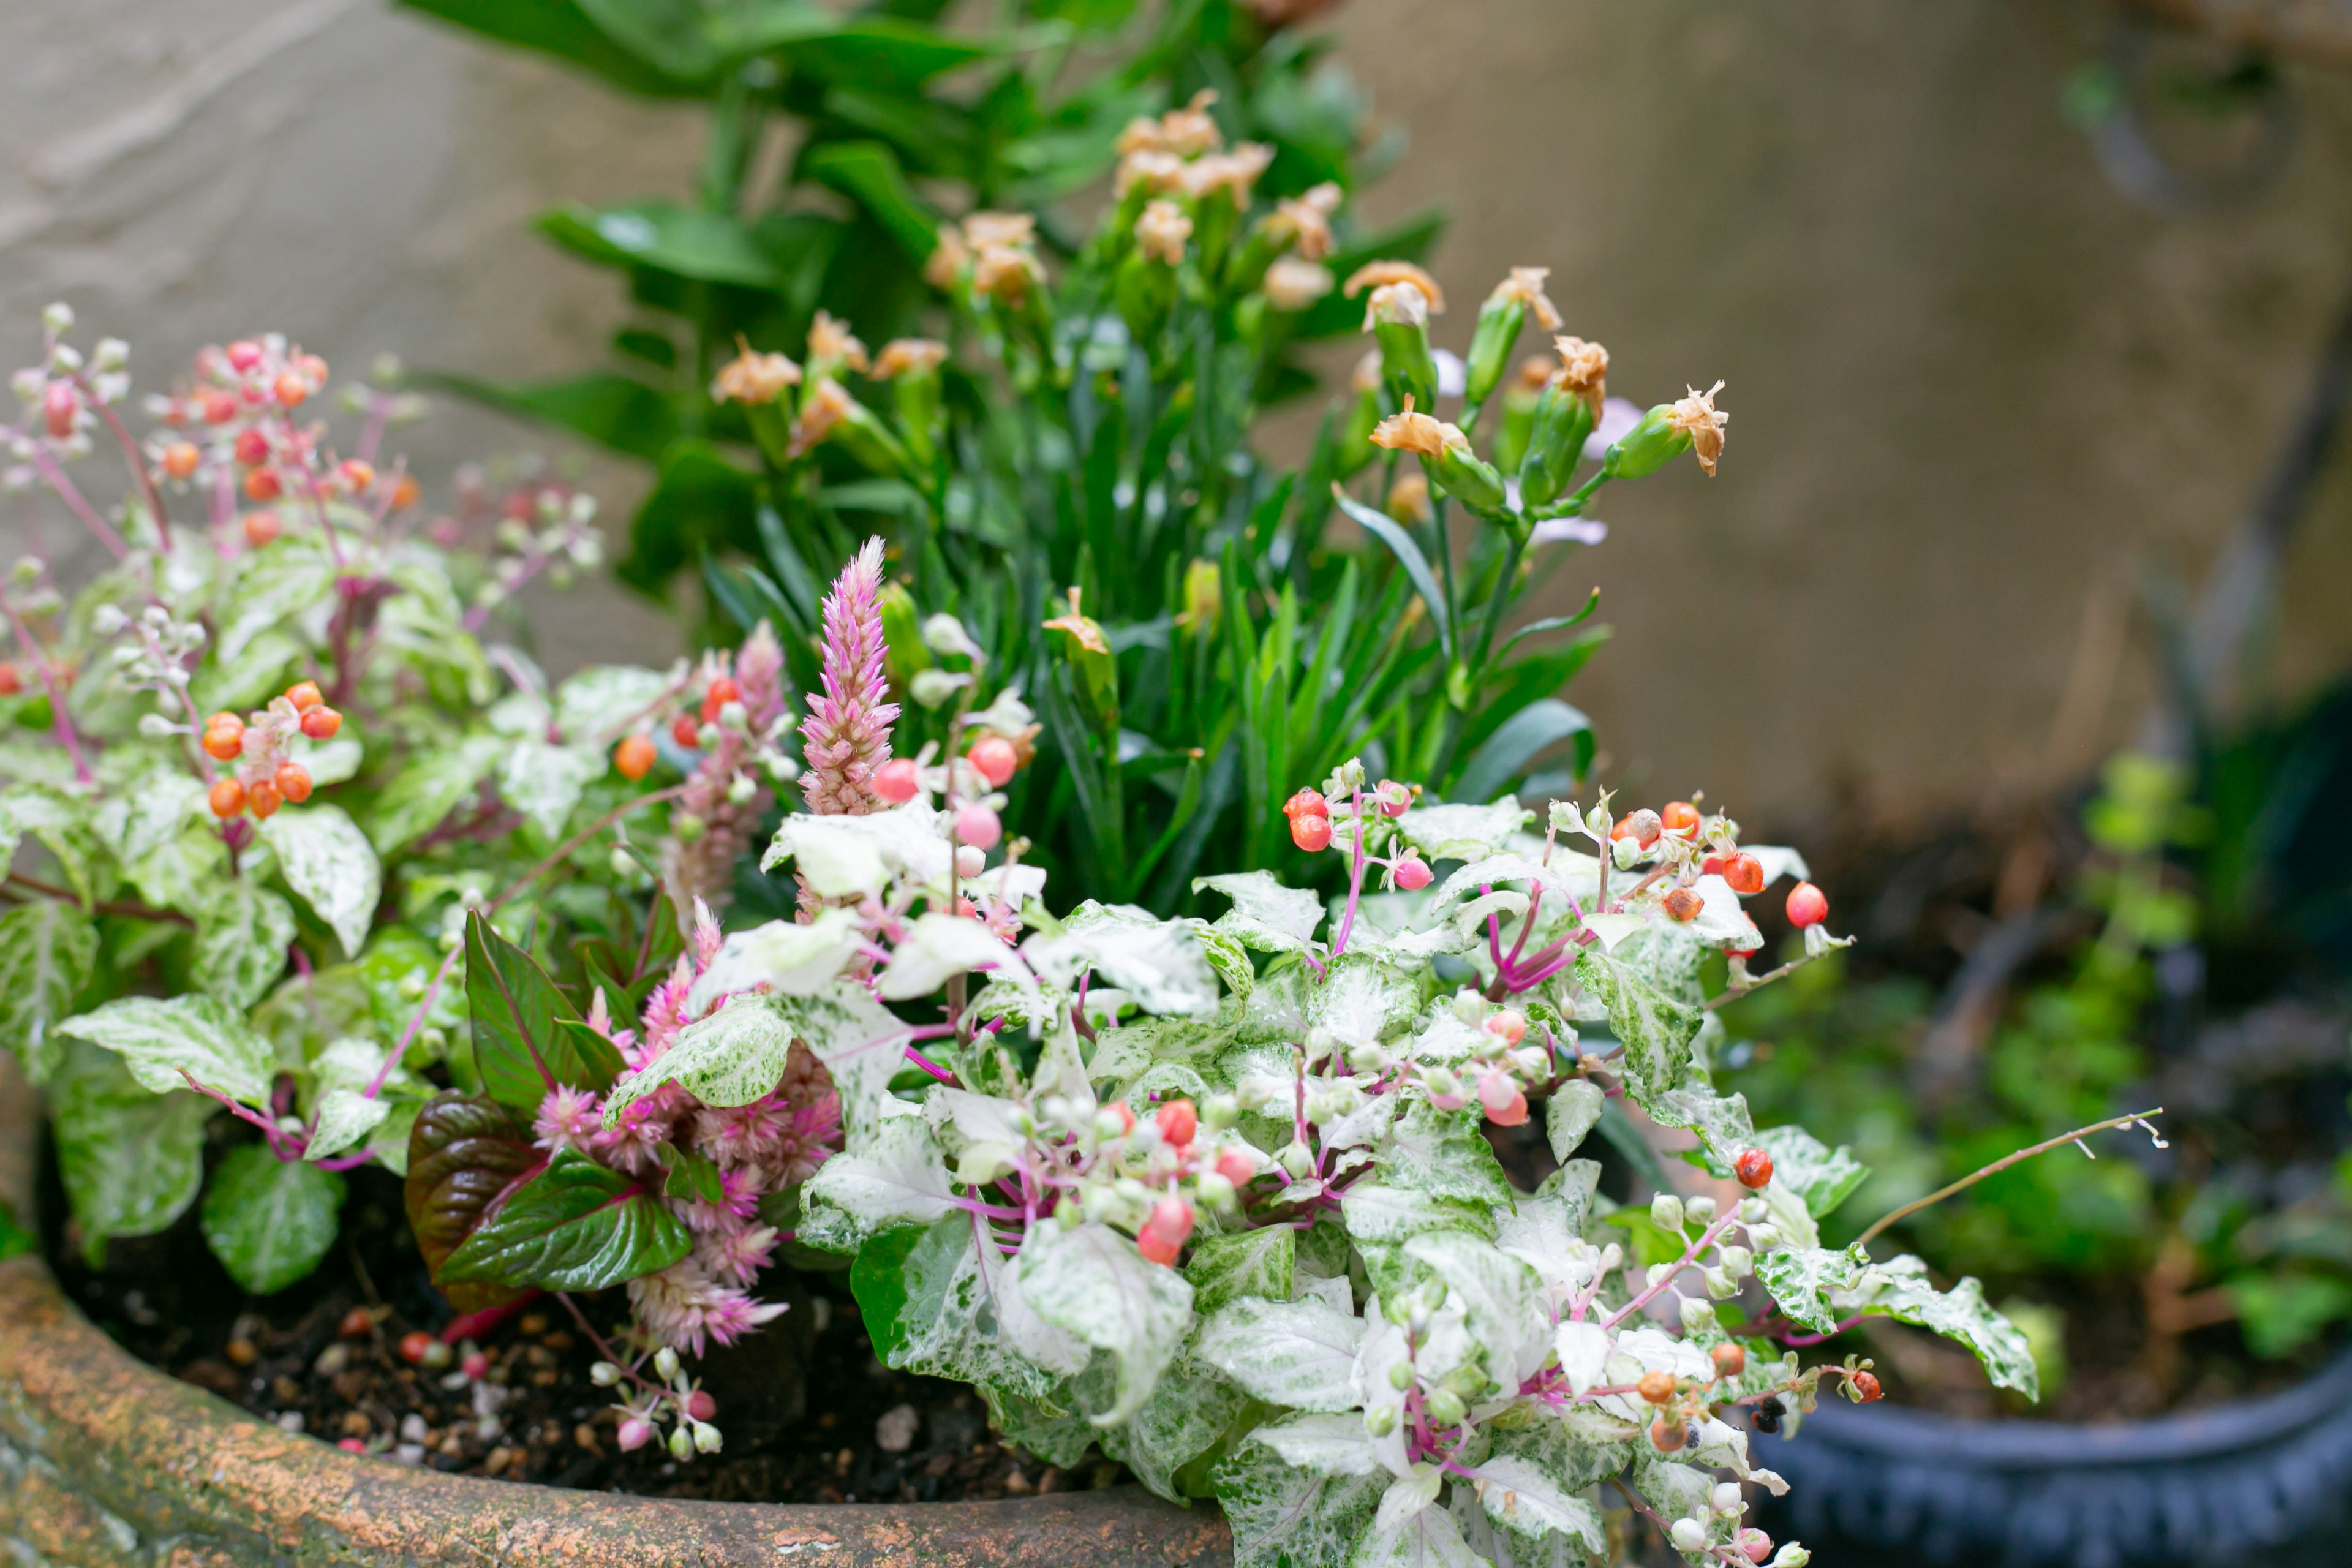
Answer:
(733, 729)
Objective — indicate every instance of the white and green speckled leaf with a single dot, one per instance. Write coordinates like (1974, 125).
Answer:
(783, 957)
(1189, 1411)
(1091, 1283)
(48, 952)
(1571, 1113)
(1330, 1445)
(330, 866)
(1444, 1154)
(344, 1113)
(270, 1221)
(1364, 998)
(545, 782)
(1801, 1279)
(1266, 915)
(132, 1160)
(895, 1177)
(1655, 1029)
(1161, 963)
(1301, 1354)
(1378, 1213)
(1821, 1177)
(1462, 832)
(1520, 1497)
(1286, 1515)
(159, 1040)
(1429, 1539)
(429, 787)
(737, 1055)
(1899, 1288)
(1243, 1264)
(599, 703)
(242, 935)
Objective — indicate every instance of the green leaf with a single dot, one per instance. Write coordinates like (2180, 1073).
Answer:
(1242, 1265)
(522, 1048)
(1655, 1030)
(545, 782)
(466, 1154)
(869, 174)
(930, 1309)
(330, 866)
(269, 1220)
(1266, 915)
(242, 935)
(1899, 1288)
(873, 51)
(1287, 1516)
(1522, 737)
(1301, 1355)
(160, 1040)
(1389, 531)
(1092, 1283)
(879, 1280)
(429, 787)
(1803, 1278)
(1721, 1122)
(132, 1160)
(617, 412)
(1189, 1413)
(1443, 1154)
(691, 1176)
(1551, 624)
(49, 950)
(706, 246)
(575, 1226)
(558, 27)
(894, 1176)
(701, 504)
(342, 1111)
(64, 825)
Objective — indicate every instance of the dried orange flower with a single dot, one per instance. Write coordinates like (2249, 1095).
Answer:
(1305, 222)
(1005, 272)
(1585, 370)
(827, 406)
(1419, 432)
(1377, 274)
(1149, 170)
(981, 229)
(1234, 173)
(1293, 283)
(902, 356)
(1697, 416)
(947, 257)
(751, 377)
(1401, 303)
(1536, 370)
(1526, 285)
(831, 340)
(1408, 499)
(1190, 130)
(1162, 230)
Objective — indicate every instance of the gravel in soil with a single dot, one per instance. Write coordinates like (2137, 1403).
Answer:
(808, 1413)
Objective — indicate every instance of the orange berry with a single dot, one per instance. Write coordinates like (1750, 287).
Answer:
(1306, 802)
(180, 459)
(289, 389)
(722, 693)
(1311, 832)
(1867, 1385)
(228, 798)
(1681, 904)
(261, 528)
(11, 682)
(1808, 905)
(1641, 826)
(1658, 1388)
(1754, 1169)
(305, 695)
(261, 484)
(635, 757)
(1730, 1360)
(1681, 818)
(224, 741)
(294, 781)
(1172, 1219)
(405, 492)
(263, 799)
(357, 474)
(1669, 1436)
(320, 723)
(252, 447)
(995, 758)
(687, 731)
(1745, 873)
(1159, 1249)
(1177, 1122)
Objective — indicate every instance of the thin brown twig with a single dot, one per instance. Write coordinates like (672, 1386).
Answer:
(2004, 1162)
(128, 909)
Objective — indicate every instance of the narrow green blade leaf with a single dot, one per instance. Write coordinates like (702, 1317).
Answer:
(1408, 556)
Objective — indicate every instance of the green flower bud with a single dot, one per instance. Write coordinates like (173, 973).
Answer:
(1380, 1420)
(1666, 1212)
(1400, 1376)
(1561, 421)
(1399, 318)
(1446, 1408)
(1499, 320)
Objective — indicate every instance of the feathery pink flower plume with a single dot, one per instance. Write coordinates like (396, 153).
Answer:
(846, 735)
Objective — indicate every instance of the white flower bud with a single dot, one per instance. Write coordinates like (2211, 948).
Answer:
(112, 353)
(1612, 1258)
(156, 726)
(58, 317)
(1687, 1534)
(107, 619)
(1791, 1556)
(1380, 1419)
(1298, 1159)
(1215, 1191)
(1320, 1043)
(1753, 1210)
(604, 1375)
(1698, 1315)
(1657, 1273)
(707, 1439)
(1720, 1285)
(1666, 1212)
(740, 789)
(1597, 823)
(1623, 853)
(971, 861)
(1563, 816)
(1763, 1238)
(733, 715)
(945, 636)
(1727, 1499)
(1738, 1261)
(1108, 1124)
(1699, 1210)
(1096, 1203)
(665, 1363)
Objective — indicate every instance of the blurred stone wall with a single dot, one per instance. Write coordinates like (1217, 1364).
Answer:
(1975, 394)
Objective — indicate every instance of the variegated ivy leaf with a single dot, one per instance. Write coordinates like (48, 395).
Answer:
(1190, 1410)
(938, 947)
(1266, 915)
(737, 1055)
(1462, 832)
(1444, 1154)
(1285, 1515)
(1497, 1290)
(1364, 998)
(1330, 1445)
(1820, 1176)
(1561, 1449)
(242, 935)
(896, 1176)
(600, 702)
(1546, 1232)
(1395, 927)
(545, 782)
(855, 857)
(1091, 1283)
(196, 1035)
(48, 952)
(1507, 1548)
(148, 812)
(248, 678)
(1381, 1213)
(330, 866)
(343, 1110)
(1227, 956)
(62, 821)
(1720, 1121)
(1899, 1288)
(1654, 1029)
(1520, 1497)
(269, 1220)
(1298, 1354)
(1573, 1111)
(132, 1160)
(934, 1306)
(1159, 963)
(428, 788)
(1428, 1538)
(273, 585)
(784, 957)
(1801, 1279)
(1242, 1265)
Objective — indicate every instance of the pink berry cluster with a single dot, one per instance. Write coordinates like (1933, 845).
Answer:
(1312, 814)
(1148, 1176)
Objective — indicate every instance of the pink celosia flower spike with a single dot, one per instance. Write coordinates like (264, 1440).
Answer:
(846, 735)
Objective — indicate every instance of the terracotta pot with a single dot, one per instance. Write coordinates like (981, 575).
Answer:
(107, 1463)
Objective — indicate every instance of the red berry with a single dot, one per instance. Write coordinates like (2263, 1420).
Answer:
(1712, 863)
(1658, 1388)
(1641, 826)
(60, 407)
(1306, 802)
(180, 459)
(1171, 1218)
(228, 798)
(289, 389)
(261, 528)
(1505, 1102)
(635, 757)
(1159, 1249)
(244, 354)
(700, 1405)
(978, 825)
(1178, 1122)
(320, 723)
(1680, 818)
(1867, 1385)
(224, 741)
(263, 800)
(293, 782)
(994, 757)
(474, 1365)
(721, 693)
(219, 407)
(1745, 873)
(1754, 1169)
(1808, 905)
(261, 484)
(1311, 832)
(687, 731)
(897, 780)
(1412, 873)
(305, 695)
(414, 1346)
(357, 1324)
(252, 447)
(1236, 1167)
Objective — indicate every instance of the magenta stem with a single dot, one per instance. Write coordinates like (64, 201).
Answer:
(55, 478)
(1796, 1341)
(1355, 874)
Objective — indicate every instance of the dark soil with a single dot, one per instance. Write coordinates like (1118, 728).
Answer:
(799, 1402)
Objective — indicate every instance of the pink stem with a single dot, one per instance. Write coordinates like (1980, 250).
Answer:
(1707, 1238)
(58, 722)
(931, 1066)
(55, 478)
(475, 1325)
(1799, 1340)
(1355, 875)
(130, 452)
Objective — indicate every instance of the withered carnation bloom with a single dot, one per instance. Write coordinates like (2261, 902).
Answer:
(981, 229)
(1418, 433)
(1401, 303)
(947, 257)
(828, 406)
(1162, 230)
(1234, 173)
(1190, 131)
(1525, 284)
(902, 356)
(1005, 273)
(1697, 416)
(1584, 371)
(1151, 170)
(1536, 370)
(1378, 274)
(1305, 222)
(753, 377)
(1293, 284)
(831, 340)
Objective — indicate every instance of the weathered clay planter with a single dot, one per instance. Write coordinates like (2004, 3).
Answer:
(107, 1463)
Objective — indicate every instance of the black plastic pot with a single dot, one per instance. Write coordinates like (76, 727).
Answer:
(2266, 1482)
